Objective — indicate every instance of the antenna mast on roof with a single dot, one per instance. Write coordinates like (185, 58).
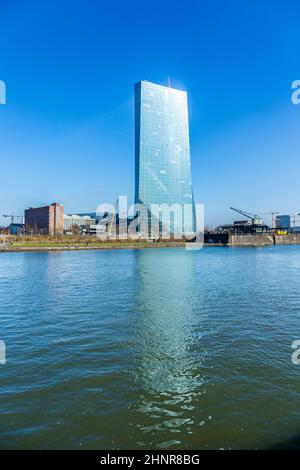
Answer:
(169, 81)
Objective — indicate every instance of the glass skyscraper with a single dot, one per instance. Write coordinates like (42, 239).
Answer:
(162, 153)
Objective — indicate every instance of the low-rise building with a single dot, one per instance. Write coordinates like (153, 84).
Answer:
(46, 220)
(79, 222)
(16, 229)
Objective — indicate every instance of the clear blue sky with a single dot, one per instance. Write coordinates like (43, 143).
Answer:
(67, 134)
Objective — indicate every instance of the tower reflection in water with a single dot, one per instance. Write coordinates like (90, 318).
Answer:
(167, 347)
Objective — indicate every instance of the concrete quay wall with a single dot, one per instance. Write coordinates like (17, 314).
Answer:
(290, 239)
(263, 239)
(251, 240)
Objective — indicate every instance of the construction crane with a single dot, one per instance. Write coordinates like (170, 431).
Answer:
(13, 217)
(273, 214)
(294, 219)
(255, 219)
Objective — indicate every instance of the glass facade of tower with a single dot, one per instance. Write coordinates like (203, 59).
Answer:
(162, 151)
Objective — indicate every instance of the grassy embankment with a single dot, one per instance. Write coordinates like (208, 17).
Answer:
(74, 242)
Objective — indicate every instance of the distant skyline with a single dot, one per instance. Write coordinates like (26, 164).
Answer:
(67, 130)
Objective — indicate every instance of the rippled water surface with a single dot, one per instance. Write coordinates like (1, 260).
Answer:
(155, 348)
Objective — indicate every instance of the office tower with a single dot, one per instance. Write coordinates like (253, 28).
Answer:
(162, 155)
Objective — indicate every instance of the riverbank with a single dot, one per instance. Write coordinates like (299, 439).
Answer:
(67, 243)
(13, 244)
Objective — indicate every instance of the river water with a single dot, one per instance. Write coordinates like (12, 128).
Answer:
(150, 349)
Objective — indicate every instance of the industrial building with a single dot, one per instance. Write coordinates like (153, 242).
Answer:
(46, 220)
(283, 222)
(253, 224)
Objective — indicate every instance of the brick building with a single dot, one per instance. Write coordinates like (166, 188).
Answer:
(47, 220)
